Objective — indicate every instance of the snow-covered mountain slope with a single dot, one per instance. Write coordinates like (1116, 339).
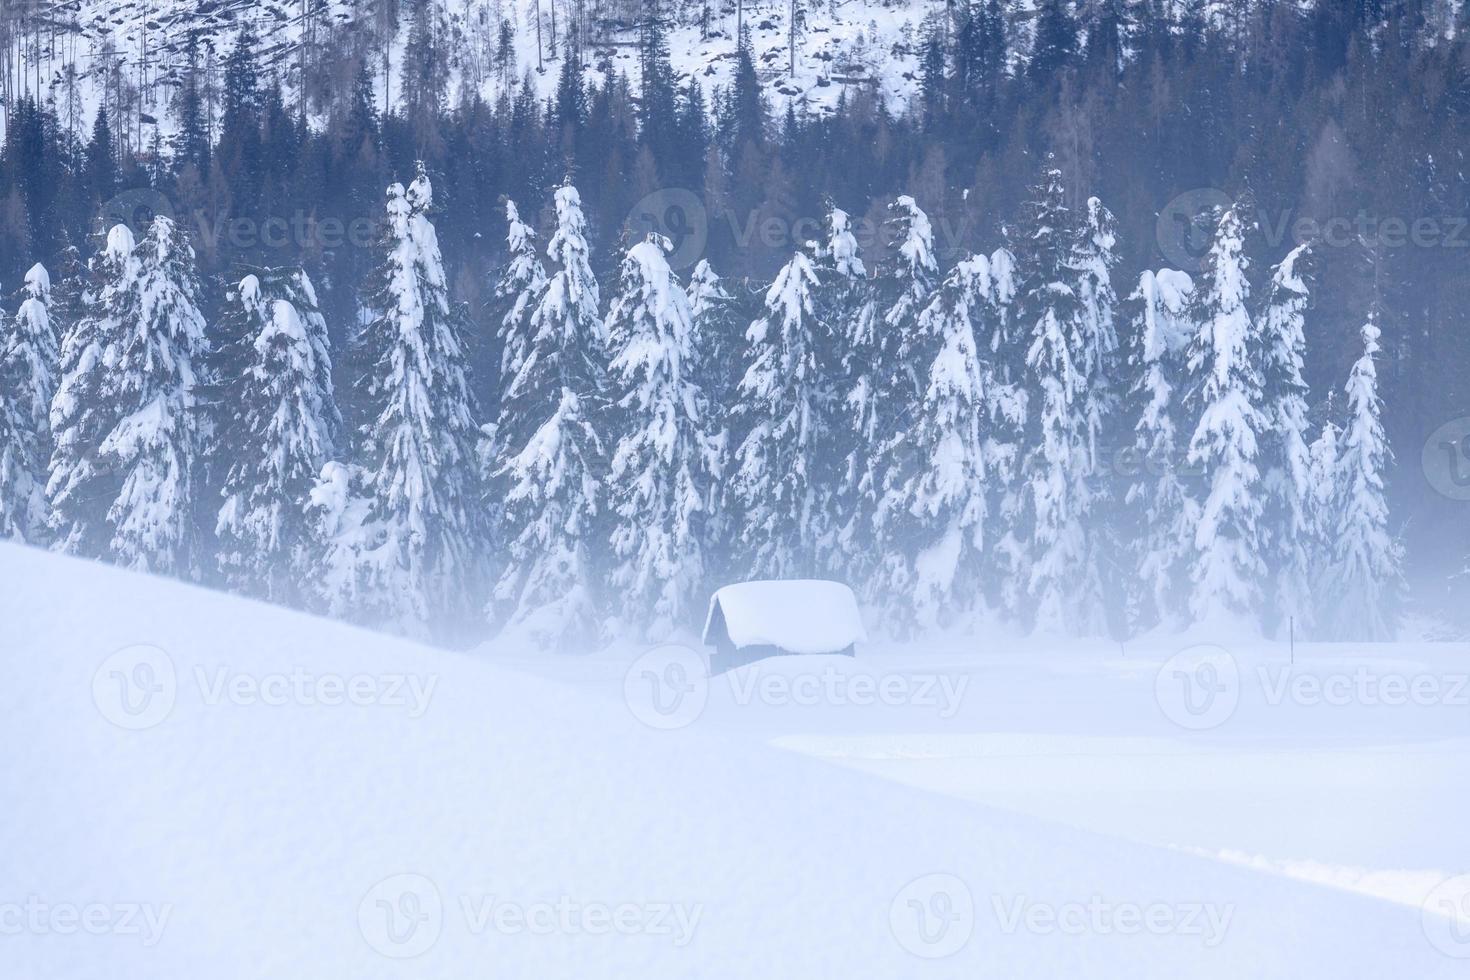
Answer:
(202, 786)
(140, 44)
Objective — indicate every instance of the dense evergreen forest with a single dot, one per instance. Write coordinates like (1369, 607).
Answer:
(1339, 124)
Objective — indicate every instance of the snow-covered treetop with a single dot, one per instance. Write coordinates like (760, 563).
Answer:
(1003, 275)
(705, 289)
(519, 235)
(915, 242)
(1225, 320)
(650, 290)
(568, 248)
(120, 243)
(1287, 276)
(1282, 320)
(1100, 225)
(421, 192)
(38, 283)
(249, 291)
(789, 299)
(524, 275)
(1164, 295)
(842, 247)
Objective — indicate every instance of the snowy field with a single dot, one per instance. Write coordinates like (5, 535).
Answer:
(200, 786)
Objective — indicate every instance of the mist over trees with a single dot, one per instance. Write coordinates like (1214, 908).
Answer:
(921, 382)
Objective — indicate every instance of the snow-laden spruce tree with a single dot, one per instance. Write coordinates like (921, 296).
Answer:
(517, 293)
(1363, 581)
(1323, 502)
(1223, 401)
(1285, 455)
(660, 474)
(277, 425)
(1094, 259)
(419, 440)
(1060, 563)
(779, 491)
(1003, 346)
(933, 523)
(1161, 512)
(719, 351)
(346, 560)
(77, 487)
(125, 418)
(718, 333)
(548, 466)
(883, 390)
(28, 365)
(1006, 354)
(846, 306)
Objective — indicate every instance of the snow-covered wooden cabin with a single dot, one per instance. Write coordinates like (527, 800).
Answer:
(753, 620)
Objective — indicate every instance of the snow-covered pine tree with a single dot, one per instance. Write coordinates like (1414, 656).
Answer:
(125, 418)
(1002, 340)
(1007, 356)
(779, 492)
(1161, 513)
(277, 426)
(1063, 581)
(1284, 452)
(717, 333)
(1094, 258)
(1322, 500)
(1364, 578)
(345, 561)
(549, 461)
(419, 443)
(932, 523)
(77, 487)
(884, 391)
(1223, 395)
(28, 365)
(516, 294)
(719, 353)
(846, 306)
(660, 475)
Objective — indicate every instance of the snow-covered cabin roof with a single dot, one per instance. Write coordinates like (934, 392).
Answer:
(799, 616)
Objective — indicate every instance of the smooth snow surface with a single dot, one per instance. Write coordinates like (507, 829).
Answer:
(200, 786)
(799, 615)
